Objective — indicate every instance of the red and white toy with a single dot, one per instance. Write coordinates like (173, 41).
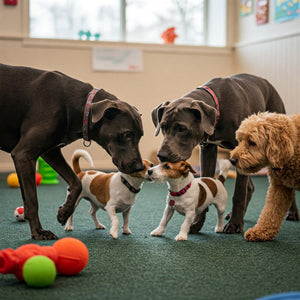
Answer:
(19, 213)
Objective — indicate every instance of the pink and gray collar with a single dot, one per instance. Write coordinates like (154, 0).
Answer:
(211, 92)
(85, 126)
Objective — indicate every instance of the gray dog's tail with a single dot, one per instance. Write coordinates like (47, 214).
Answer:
(224, 165)
(75, 159)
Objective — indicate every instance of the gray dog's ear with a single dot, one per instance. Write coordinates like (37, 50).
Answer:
(157, 114)
(98, 109)
(207, 114)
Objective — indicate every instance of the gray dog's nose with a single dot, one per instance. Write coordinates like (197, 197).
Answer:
(162, 156)
(233, 161)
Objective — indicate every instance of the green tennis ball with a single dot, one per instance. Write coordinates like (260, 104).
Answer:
(39, 271)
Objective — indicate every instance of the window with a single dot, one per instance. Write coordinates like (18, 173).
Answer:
(196, 22)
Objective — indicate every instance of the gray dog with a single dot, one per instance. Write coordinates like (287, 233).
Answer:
(210, 116)
(42, 111)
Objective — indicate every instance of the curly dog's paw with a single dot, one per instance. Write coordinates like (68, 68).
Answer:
(259, 235)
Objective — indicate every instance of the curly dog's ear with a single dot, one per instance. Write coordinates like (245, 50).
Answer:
(280, 147)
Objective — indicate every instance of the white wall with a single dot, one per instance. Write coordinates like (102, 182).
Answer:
(271, 50)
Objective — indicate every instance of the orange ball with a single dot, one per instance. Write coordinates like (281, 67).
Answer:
(13, 180)
(73, 256)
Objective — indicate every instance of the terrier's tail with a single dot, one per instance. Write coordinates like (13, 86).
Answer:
(75, 159)
(224, 165)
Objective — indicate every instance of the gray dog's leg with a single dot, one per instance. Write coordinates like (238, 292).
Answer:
(25, 167)
(56, 160)
(241, 197)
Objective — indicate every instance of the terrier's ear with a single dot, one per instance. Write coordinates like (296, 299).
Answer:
(185, 168)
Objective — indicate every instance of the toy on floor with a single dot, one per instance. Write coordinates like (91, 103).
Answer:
(13, 180)
(73, 256)
(39, 271)
(69, 255)
(19, 214)
(48, 174)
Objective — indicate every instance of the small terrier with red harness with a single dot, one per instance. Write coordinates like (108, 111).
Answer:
(113, 192)
(190, 196)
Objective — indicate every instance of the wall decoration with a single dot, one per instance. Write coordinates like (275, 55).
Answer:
(117, 59)
(286, 10)
(262, 11)
(246, 7)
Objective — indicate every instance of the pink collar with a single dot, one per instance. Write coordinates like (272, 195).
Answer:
(181, 192)
(211, 92)
(85, 126)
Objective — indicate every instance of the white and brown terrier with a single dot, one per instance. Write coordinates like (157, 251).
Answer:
(113, 192)
(188, 195)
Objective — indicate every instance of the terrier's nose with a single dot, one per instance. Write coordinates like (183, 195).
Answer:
(233, 161)
(150, 172)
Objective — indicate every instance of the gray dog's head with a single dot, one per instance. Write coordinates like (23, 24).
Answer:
(183, 123)
(117, 127)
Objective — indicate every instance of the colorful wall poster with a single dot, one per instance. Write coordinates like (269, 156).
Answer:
(262, 11)
(246, 7)
(286, 10)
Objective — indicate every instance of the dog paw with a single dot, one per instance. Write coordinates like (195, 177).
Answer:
(156, 232)
(219, 229)
(44, 235)
(259, 235)
(100, 226)
(231, 228)
(114, 234)
(127, 231)
(68, 228)
(181, 237)
(293, 216)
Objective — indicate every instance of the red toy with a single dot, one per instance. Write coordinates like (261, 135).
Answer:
(69, 255)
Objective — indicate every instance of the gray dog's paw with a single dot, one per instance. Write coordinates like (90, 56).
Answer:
(231, 228)
(44, 235)
(293, 216)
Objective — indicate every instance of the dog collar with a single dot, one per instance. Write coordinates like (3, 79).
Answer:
(181, 192)
(211, 92)
(85, 126)
(129, 186)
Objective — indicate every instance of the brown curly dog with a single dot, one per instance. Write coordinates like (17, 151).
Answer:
(270, 140)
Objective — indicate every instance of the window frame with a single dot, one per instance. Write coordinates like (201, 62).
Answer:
(164, 48)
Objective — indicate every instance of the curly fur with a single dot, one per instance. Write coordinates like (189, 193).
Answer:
(270, 140)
